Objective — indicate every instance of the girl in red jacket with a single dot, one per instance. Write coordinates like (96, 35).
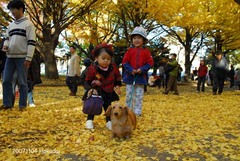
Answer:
(104, 76)
(136, 62)
(202, 72)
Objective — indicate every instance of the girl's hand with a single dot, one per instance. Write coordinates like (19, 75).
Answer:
(96, 83)
(117, 89)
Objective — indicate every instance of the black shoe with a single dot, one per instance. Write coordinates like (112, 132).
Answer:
(3, 107)
(165, 92)
(175, 93)
(72, 94)
(22, 108)
(214, 93)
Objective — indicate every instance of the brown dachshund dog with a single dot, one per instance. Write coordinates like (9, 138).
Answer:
(123, 120)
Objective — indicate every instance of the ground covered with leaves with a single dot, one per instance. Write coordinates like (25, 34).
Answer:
(191, 126)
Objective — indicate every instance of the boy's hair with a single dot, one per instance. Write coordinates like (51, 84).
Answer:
(72, 46)
(144, 39)
(173, 54)
(16, 4)
(218, 52)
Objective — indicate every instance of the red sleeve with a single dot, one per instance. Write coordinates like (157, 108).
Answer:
(149, 58)
(126, 57)
(90, 75)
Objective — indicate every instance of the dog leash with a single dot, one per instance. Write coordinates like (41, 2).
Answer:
(131, 97)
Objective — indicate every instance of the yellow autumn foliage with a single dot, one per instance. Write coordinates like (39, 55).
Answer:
(191, 126)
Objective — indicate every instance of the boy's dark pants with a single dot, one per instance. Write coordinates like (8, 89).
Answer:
(72, 85)
(218, 84)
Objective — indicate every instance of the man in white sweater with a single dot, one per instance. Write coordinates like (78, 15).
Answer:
(19, 46)
(73, 76)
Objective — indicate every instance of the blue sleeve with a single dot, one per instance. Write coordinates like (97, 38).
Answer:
(128, 67)
(145, 68)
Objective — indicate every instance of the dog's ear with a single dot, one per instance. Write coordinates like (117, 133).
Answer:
(109, 110)
(127, 109)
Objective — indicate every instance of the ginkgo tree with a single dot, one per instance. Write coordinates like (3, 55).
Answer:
(190, 21)
(98, 25)
(51, 17)
(224, 24)
(4, 16)
(112, 22)
(193, 23)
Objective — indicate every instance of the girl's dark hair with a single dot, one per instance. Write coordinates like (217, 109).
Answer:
(16, 4)
(107, 50)
(102, 47)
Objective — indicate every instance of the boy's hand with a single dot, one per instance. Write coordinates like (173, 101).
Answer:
(139, 71)
(5, 48)
(27, 63)
(134, 72)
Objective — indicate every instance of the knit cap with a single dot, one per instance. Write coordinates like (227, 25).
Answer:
(100, 46)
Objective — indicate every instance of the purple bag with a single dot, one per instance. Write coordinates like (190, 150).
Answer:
(93, 105)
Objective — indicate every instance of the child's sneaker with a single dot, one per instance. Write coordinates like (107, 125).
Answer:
(89, 124)
(32, 105)
(109, 125)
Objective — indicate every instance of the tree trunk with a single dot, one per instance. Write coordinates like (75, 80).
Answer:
(49, 44)
(51, 71)
(187, 47)
(218, 41)
(187, 61)
(50, 61)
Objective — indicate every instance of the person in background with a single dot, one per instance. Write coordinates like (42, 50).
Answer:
(231, 74)
(152, 80)
(161, 76)
(202, 72)
(179, 77)
(219, 72)
(2, 58)
(194, 74)
(87, 62)
(19, 47)
(104, 76)
(173, 74)
(136, 61)
(34, 77)
(237, 77)
(72, 79)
